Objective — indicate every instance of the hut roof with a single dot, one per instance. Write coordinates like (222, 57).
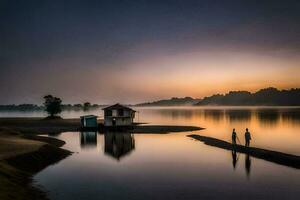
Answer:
(117, 106)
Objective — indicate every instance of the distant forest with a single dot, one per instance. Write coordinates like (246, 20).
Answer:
(186, 101)
(263, 97)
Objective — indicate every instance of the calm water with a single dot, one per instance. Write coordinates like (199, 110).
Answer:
(150, 166)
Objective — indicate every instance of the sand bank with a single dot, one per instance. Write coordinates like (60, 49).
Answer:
(268, 155)
(20, 158)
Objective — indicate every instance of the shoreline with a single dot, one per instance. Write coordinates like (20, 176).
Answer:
(38, 125)
(31, 125)
(18, 169)
(276, 157)
(163, 129)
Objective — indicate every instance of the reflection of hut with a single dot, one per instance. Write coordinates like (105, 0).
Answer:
(118, 115)
(118, 144)
(89, 121)
(88, 139)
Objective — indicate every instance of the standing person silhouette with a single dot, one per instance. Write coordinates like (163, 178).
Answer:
(247, 138)
(233, 137)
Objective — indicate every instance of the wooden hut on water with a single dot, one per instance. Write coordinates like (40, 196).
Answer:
(118, 115)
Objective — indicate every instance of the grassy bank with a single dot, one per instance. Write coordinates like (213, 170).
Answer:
(22, 156)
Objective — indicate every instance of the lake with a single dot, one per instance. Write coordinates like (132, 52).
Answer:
(162, 166)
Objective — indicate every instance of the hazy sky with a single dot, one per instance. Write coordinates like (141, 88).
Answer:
(134, 51)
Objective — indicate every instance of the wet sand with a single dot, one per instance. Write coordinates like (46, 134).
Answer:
(280, 158)
(162, 129)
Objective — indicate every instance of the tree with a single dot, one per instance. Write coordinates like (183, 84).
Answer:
(52, 105)
(86, 105)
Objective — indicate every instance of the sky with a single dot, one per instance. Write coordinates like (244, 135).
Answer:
(143, 50)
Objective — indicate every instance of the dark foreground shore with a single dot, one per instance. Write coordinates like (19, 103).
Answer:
(22, 156)
(268, 155)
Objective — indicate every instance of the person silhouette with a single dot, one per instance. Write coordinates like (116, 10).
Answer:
(247, 138)
(233, 137)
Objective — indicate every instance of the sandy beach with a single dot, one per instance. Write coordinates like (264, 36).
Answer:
(23, 156)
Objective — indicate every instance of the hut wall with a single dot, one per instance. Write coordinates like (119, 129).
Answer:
(91, 122)
(120, 121)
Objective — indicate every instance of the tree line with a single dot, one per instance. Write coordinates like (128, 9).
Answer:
(264, 97)
(35, 107)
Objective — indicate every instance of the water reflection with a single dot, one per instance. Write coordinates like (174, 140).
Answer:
(118, 144)
(214, 115)
(264, 116)
(88, 140)
(177, 114)
(291, 116)
(268, 117)
(235, 157)
(248, 165)
(238, 115)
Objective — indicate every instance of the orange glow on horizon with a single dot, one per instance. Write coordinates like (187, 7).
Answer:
(198, 75)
